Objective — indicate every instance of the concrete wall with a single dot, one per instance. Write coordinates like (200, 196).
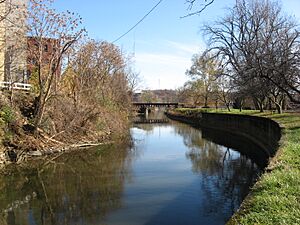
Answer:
(266, 133)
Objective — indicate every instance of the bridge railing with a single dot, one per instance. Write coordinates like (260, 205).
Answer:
(15, 86)
(156, 104)
(142, 121)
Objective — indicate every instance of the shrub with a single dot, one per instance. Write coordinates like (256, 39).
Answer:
(7, 114)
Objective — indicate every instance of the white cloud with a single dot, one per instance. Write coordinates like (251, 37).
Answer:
(165, 68)
(186, 48)
(162, 71)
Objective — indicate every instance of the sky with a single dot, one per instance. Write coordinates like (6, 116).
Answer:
(163, 44)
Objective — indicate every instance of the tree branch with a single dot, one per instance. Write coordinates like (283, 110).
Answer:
(203, 7)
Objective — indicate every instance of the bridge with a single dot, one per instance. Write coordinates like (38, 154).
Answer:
(144, 107)
(150, 121)
(156, 104)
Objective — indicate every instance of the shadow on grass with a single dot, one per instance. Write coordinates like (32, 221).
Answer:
(295, 128)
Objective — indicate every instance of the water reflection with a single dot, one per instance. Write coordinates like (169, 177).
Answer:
(224, 178)
(174, 174)
(79, 188)
(223, 169)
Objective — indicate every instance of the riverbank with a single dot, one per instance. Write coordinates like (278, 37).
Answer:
(62, 130)
(53, 151)
(275, 198)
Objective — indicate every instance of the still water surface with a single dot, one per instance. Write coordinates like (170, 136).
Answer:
(174, 174)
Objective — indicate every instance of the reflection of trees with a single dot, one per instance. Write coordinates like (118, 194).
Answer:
(226, 174)
(206, 156)
(77, 188)
(207, 160)
(231, 176)
(191, 137)
(148, 128)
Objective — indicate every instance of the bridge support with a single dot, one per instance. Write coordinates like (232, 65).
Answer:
(147, 112)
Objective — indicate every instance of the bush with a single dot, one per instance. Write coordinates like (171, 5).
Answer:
(7, 114)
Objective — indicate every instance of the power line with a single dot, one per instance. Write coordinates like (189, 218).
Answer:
(141, 20)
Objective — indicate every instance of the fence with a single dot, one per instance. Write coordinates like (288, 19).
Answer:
(15, 86)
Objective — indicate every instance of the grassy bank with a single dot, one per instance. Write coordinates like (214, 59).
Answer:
(275, 198)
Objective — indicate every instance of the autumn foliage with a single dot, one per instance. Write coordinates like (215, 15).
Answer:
(81, 89)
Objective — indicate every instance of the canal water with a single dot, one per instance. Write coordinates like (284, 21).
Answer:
(172, 174)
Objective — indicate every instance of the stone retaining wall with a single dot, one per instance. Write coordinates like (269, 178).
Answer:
(263, 131)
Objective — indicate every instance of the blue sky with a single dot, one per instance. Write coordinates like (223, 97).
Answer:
(163, 43)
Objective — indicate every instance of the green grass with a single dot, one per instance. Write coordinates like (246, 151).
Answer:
(213, 110)
(275, 198)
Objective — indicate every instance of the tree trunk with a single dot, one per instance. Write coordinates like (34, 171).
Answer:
(241, 105)
(228, 107)
(205, 101)
(261, 107)
(39, 114)
(216, 103)
(278, 103)
(11, 99)
(279, 107)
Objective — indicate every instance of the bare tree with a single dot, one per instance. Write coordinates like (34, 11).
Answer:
(202, 6)
(52, 35)
(134, 80)
(224, 91)
(260, 46)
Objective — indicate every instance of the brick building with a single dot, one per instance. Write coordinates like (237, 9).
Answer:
(42, 52)
(19, 54)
